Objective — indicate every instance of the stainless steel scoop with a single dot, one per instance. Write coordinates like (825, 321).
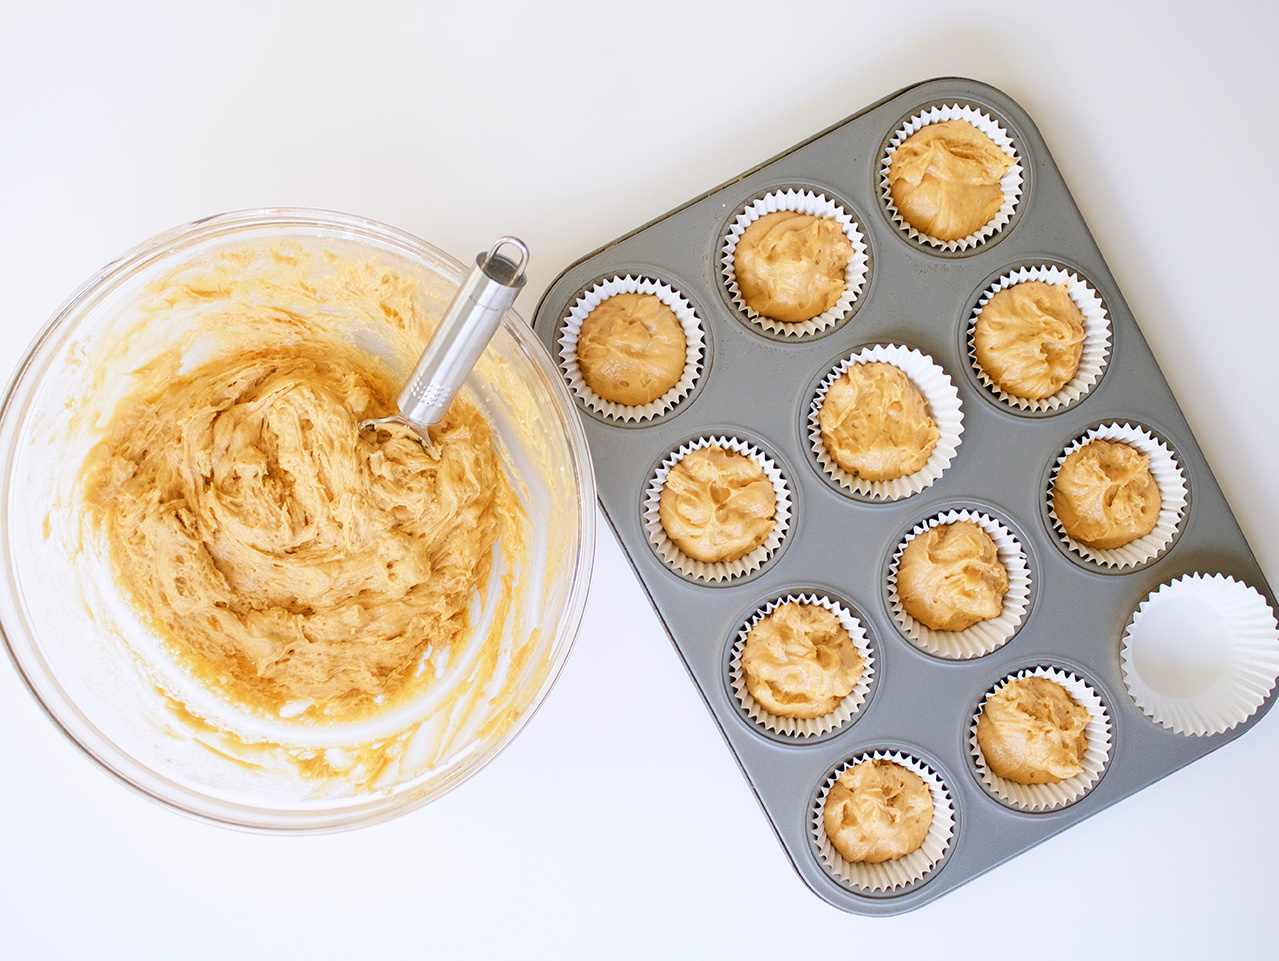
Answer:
(468, 324)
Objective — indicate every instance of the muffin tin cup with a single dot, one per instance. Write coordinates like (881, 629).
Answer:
(1010, 184)
(983, 637)
(723, 571)
(816, 205)
(1173, 493)
(1096, 346)
(1049, 797)
(887, 876)
(694, 346)
(1201, 654)
(804, 727)
(943, 404)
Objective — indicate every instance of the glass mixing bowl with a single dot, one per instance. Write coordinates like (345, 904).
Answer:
(107, 681)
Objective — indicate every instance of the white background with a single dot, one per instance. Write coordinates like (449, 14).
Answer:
(617, 824)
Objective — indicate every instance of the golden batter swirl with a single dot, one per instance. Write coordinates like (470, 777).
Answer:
(717, 505)
(631, 349)
(950, 577)
(799, 661)
(945, 179)
(1033, 732)
(790, 266)
(1029, 338)
(877, 811)
(1105, 495)
(281, 553)
(875, 422)
(283, 560)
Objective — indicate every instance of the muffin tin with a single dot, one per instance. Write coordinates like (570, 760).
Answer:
(756, 387)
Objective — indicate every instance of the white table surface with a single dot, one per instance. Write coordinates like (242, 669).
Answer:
(618, 824)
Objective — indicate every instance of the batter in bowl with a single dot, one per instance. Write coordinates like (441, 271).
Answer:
(291, 563)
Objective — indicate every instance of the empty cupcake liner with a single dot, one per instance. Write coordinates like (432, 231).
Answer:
(804, 727)
(694, 349)
(1096, 346)
(985, 636)
(1050, 797)
(889, 875)
(1201, 654)
(1010, 184)
(817, 205)
(724, 570)
(1172, 492)
(943, 404)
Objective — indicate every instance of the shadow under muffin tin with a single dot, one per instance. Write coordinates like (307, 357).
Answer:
(758, 389)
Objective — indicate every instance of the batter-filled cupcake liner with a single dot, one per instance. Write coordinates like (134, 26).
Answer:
(1201, 654)
(1096, 346)
(984, 636)
(889, 875)
(804, 727)
(694, 346)
(816, 205)
(1050, 797)
(724, 570)
(1010, 183)
(943, 404)
(1172, 493)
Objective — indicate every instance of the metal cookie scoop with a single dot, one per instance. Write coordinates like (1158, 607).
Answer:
(468, 324)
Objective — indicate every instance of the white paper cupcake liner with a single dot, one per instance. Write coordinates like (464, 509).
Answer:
(1201, 654)
(804, 727)
(889, 875)
(943, 404)
(816, 205)
(1096, 346)
(985, 636)
(1010, 184)
(1050, 797)
(725, 570)
(694, 346)
(1172, 492)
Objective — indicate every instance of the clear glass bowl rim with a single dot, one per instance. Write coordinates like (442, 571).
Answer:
(17, 636)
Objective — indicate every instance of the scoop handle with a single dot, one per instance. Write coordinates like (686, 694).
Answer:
(468, 324)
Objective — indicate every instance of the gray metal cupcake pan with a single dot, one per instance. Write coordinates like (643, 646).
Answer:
(759, 389)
